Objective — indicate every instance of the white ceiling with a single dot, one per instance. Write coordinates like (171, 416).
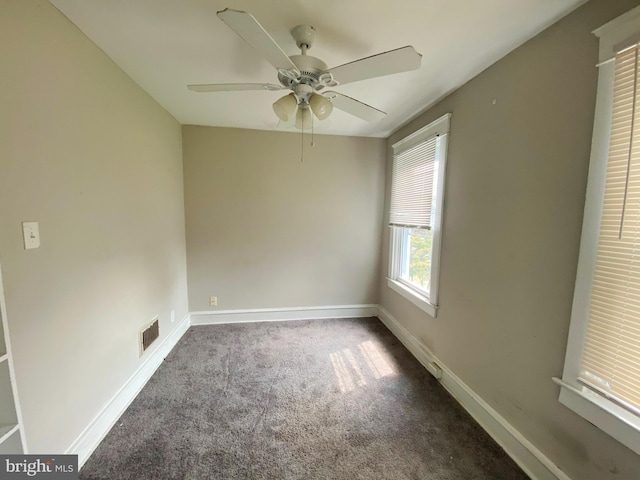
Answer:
(166, 44)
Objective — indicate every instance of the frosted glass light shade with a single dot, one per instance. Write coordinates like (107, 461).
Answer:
(303, 118)
(321, 106)
(285, 107)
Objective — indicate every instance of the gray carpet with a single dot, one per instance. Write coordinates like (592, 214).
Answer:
(318, 399)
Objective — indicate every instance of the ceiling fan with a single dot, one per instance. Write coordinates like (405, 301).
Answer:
(308, 77)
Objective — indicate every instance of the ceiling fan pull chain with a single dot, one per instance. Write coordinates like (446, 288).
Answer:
(312, 143)
(302, 142)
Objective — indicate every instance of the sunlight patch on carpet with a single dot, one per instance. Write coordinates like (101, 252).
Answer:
(350, 371)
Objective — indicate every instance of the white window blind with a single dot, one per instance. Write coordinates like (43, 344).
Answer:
(611, 356)
(412, 187)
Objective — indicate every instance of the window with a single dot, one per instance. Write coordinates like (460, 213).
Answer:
(415, 214)
(601, 377)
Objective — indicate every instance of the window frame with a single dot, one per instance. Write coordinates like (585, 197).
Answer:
(427, 301)
(605, 414)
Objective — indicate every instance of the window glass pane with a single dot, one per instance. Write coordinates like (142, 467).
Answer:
(416, 258)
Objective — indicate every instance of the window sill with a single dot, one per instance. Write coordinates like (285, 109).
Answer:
(604, 414)
(418, 300)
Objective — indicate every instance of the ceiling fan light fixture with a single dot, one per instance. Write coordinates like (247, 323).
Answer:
(285, 107)
(303, 118)
(321, 106)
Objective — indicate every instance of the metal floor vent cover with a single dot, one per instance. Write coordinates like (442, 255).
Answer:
(148, 335)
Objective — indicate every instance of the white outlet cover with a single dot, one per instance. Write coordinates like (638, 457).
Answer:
(31, 235)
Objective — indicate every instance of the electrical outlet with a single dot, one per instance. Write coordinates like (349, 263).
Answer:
(173, 316)
(214, 301)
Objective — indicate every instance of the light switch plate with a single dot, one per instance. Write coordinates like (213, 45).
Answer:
(31, 235)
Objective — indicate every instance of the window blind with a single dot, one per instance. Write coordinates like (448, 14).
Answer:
(611, 357)
(412, 187)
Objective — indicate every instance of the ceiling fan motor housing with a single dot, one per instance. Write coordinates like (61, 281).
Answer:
(313, 72)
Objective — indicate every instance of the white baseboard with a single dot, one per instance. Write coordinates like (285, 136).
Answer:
(279, 314)
(522, 451)
(91, 436)
(534, 463)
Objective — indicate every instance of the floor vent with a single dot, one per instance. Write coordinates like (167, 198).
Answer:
(149, 334)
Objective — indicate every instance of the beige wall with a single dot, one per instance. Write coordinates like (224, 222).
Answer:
(267, 230)
(91, 157)
(514, 197)
(97, 163)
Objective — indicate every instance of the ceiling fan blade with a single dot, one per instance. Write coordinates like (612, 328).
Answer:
(231, 87)
(394, 61)
(355, 107)
(248, 28)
